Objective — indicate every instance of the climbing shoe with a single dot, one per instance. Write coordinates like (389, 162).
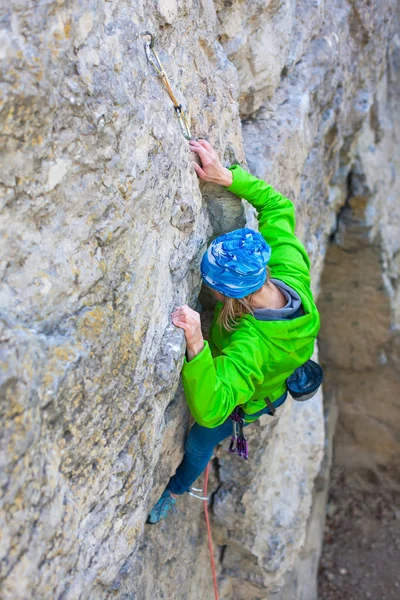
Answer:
(161, 508)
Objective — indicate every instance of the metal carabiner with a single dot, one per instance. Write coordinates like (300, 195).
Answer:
(183, 122)
(152, 38)
(152, 56)
(234, 438)
(154, 60)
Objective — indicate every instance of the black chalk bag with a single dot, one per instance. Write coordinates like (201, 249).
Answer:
(305, 381)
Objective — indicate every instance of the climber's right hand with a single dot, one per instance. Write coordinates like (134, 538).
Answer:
(189, 320)
(211, 168)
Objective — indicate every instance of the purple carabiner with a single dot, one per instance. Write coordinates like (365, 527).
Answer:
(239, 447)
(238, 442)
(245, 449)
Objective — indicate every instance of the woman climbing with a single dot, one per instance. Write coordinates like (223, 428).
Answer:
(264, 327)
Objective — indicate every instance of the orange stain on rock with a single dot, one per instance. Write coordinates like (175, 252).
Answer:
(67, 28)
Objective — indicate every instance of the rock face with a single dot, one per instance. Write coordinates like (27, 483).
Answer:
(103, 224)
(362, 273)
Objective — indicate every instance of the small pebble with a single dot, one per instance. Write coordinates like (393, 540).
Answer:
(343, 571)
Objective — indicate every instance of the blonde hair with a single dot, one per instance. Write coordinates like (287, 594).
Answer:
(234, 308)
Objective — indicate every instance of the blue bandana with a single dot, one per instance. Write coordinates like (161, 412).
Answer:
(235, 263)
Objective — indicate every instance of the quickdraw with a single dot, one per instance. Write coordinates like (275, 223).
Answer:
(238, 440)
(154, 61)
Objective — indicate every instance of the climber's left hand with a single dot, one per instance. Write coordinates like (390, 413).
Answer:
(211, 168)
(189, 320)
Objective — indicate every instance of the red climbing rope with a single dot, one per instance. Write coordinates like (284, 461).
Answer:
(210, 546)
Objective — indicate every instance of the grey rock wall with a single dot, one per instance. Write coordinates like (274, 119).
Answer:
(103, 223)
(362, 273)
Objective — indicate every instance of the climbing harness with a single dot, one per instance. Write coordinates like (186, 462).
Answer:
(303, 384)
(155, 62)
(238, 440)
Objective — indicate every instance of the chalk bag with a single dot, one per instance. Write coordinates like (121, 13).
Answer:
(305, 381)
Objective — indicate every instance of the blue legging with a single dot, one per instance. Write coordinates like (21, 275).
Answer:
(199, 447)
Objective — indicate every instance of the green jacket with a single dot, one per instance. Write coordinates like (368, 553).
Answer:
(253, 362)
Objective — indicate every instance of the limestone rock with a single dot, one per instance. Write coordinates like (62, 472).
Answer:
(103, 223)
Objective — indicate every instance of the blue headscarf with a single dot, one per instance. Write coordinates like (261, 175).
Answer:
(235, 263)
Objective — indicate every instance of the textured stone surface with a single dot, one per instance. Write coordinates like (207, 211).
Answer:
(103, 223)
(362, 273)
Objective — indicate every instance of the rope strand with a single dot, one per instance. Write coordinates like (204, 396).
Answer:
(210, 546)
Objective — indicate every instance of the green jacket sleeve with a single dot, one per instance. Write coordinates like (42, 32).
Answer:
(276, 217)
(215, 386)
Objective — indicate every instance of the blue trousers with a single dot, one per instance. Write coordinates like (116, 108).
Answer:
(199, 447)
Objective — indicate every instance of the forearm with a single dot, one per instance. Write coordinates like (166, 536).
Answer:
(225, 178)
(274, 210)
(256, 191)
(194, 348)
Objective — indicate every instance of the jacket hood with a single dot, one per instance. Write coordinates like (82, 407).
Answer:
(288, 334)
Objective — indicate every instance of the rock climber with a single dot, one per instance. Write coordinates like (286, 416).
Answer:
(264, 327)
